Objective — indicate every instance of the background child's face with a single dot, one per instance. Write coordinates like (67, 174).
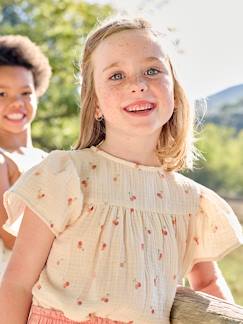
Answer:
(133, 83)
(18, 101)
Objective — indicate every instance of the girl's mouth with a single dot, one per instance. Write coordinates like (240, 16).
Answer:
(15, 117)
(140, 108)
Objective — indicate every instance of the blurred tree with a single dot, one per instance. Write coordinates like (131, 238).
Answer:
(222, 168)
(59, 27)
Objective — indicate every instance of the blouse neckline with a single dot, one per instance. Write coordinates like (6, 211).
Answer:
(126, 162)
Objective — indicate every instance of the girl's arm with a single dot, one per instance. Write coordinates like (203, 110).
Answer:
(29, 256)
(7, 238)
(207, 277)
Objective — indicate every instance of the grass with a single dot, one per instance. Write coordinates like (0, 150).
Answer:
(232, 264)
(232, 269)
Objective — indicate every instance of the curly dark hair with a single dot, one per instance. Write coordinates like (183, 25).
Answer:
(17, 50)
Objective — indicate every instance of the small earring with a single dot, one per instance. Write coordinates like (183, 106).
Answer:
(99, 119)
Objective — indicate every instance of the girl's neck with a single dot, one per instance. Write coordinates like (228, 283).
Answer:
(130, 149)
(13, 142)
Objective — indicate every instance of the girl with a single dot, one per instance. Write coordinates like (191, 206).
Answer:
(114, 227)
(24, 76)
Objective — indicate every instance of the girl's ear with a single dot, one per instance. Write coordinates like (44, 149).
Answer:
(98, 113)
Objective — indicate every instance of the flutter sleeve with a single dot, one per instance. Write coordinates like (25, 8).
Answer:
(51, 189)
(213, 231)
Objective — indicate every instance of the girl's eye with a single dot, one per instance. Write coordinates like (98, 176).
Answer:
(2, 94)
(152, 71)
(116, 76)
(27, 93)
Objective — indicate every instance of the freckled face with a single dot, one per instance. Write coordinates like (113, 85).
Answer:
(133, 83)
(18, 102)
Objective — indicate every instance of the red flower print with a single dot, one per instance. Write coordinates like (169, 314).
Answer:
(160, 194)
(131, 210)
(79, 302)
(66, 284)
(103, 246)
(137, 284)
(37, 173)
(58, 262)
(102, 227)
(105, 298)
(152, 310)
(196, 239)
(174, 277)
(71, 200)
(90, 208)
(142, 246)
(84, 183)
(173, 218)
(189, 215)
(80, 245)
(51, 225)
(164, 231)
(115, 221)
(215, 228)
(115, 178)
(38, 286)
(40, 194)
(160, 255)
(186, 191)
(93, 166)
(132, 197)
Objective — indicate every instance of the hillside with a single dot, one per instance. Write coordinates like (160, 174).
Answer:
(226, 107)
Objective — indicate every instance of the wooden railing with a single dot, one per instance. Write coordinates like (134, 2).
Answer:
(192, 307)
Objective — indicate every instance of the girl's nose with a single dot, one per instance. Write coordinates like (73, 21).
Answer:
(139, 86)
(17, 102)
(141, 89)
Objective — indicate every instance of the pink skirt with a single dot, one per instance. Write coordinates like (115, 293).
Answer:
(39, 315)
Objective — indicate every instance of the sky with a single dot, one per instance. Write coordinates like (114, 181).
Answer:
(211, 39)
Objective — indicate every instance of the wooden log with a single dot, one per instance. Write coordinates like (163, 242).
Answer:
(192, 307)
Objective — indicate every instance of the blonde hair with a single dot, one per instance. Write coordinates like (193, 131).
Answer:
(175, 146)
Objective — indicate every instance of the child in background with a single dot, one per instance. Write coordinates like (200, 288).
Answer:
(114, 227)
(24, 76)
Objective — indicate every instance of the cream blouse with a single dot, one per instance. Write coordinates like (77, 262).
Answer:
(125, 234)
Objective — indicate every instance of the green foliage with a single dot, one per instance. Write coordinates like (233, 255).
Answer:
(222, 169)
(231, 267)
(59, 27)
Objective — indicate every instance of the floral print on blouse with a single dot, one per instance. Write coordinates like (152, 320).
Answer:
(125, 234)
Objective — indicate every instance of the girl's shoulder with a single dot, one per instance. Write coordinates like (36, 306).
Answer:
(191, 188)
(183, 183)
(24, 159)
(204, 198)
(57, 160)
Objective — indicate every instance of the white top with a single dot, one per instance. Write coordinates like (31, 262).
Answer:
(126, 234)
(26, 160)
